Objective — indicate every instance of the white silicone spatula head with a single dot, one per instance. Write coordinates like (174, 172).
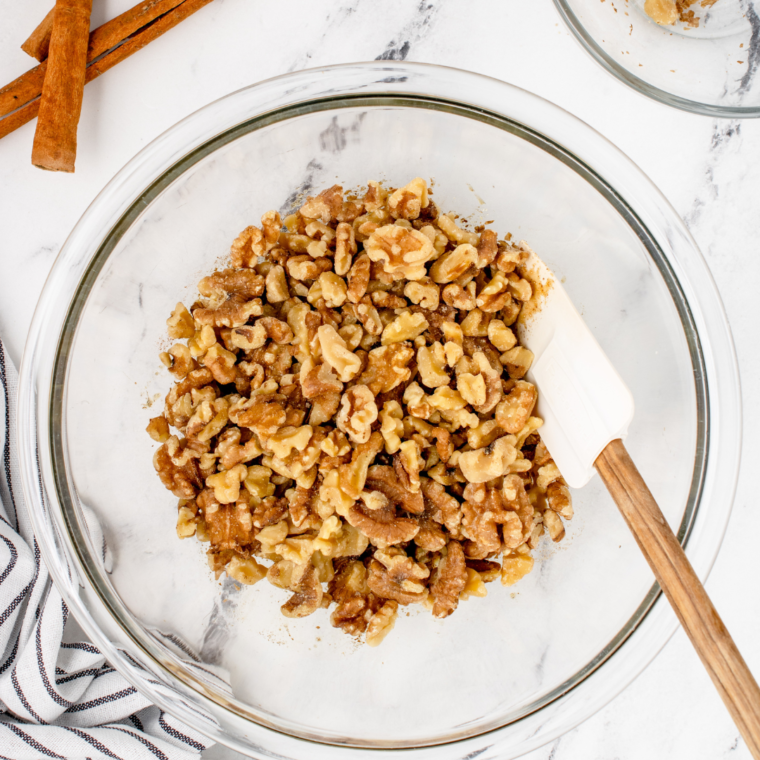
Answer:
(582, 399)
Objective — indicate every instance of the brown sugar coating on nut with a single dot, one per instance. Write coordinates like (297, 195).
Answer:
(349, 415)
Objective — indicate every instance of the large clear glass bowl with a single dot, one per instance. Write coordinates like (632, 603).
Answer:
(505, 673)
(711, 68)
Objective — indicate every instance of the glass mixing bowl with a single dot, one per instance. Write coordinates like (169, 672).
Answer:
(709, 69)
(504, 674)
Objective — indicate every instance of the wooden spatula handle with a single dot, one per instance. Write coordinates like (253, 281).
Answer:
(677, 578)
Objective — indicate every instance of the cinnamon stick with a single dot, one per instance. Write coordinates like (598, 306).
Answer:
(29, 85)
(27, 109)
(55, 141)
(38, 43)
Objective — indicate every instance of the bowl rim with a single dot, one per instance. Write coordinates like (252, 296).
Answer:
(408, 80)
(611, 66)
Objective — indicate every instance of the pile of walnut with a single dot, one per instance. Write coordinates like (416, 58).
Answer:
(350, 407)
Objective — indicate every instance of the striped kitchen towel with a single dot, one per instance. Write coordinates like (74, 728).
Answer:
(60, 698)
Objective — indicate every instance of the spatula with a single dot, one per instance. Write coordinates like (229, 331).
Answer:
(587, 410)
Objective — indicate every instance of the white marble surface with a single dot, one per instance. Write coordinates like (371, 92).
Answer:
(709, 170)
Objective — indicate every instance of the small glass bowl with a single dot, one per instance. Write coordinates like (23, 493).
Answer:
(502, 675)
(709, 69)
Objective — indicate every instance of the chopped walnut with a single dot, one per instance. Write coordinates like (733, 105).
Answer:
(183, 481)
(402, 252)
(475, 324)
(276, 329)
(246, 249)
(229, 526)
(517, 361)
(484, 434)
(226, 485)
(334, 289)
(519, 288)
(308, 593)
(366, 313)
(448, 581)
(234, 312)
(491, 462)
(248, 338)
(354, 602)
(345, 248)
(397, 577)
(391, 425)
(258, 482)
(323, 408)
(407, 202)
(381, 623)
(326, 206)
(491, 374)
(348, 408)
(306, 267)
(264, 414)
(424, 293)
(513, 412)
(516, 565)
(221, 362)
(411, 461)
(387, 368)
(495, 295)
(245, 283)
(180, 323)
(318, 380)
(288, 438)
(458, 297)
(339, 539)
(245, 570)
(158, 429)
(472, 387)
(500, 335)
(475, 585)
(337, 355)
(357, 413)
(186, 522)
(558, 499)
(386, 481)
(431, 363)
(353, 475)
(358, 278)
(553, 523)
(383, 527)
(452, 265)
(482, 512)
(407, 326)
(385, 300)
(454, 233)
(487, 248)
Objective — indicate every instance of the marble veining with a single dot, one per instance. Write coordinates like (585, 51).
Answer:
(753, 56)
